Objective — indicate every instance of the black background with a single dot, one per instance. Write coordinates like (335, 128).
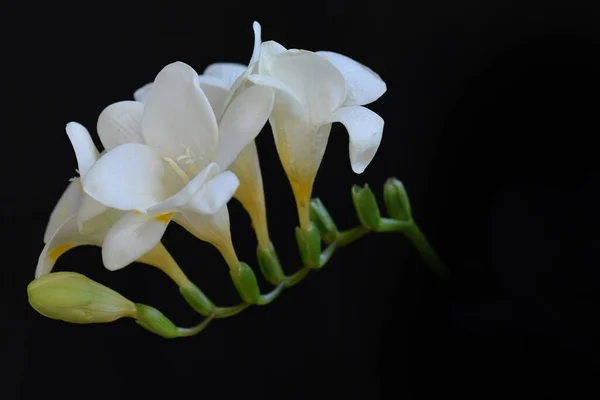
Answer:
(491, 121)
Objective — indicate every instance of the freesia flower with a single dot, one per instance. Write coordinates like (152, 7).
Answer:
(79, 220)
(220, 84)
(170, 163)
(312, 91)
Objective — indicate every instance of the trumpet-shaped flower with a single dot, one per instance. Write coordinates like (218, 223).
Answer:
(312, 91)
(78, 219)
(221, 83)
(170, 163)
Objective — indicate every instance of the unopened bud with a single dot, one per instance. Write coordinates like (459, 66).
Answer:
(366, 206)
(396, 200)
(75, 298)
(323, 221)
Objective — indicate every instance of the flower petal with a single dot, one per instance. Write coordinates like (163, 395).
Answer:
(89, 209)
(142, 93)
(129, 177)
(178, 117)
(85, 149)
(214, 229)
(268, 52)
(215, 194)
(365, 129)
(363, 85)
(65, 238)
(216, 91)
(185, 195)
(285, 98)
(226, 72)
(131, 237)
(257, 41)
(67, 205)
(318, 84)
(121, 123)
(242, 122)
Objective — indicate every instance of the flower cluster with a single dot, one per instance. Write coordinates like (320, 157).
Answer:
(184, 146)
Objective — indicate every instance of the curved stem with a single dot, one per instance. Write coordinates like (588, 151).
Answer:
(296, 277)
(224, 312)
(428, 253)
(349, 236)
(185, 332)
(272, 295)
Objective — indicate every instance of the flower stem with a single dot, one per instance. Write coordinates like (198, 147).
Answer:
(224, 312)
(185, 332)
(428, 253)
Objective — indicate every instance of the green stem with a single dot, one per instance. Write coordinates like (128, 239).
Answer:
(185, 332)
(296, 277)
(427, 252)
(224, 312)
(272, 295)
(349, 236)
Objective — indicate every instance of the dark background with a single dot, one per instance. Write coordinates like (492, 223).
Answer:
(491, 122)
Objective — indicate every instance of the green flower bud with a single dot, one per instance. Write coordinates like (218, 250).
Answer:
(366, 206)
(153, 320)
(309, 244)
(396, 200)
(197, 299)
(270, 265)
(73, 297)
(323, 221)
(245, 283)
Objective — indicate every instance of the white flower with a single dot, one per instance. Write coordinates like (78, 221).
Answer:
(221, 83)
(79, 220)
(313, 90)
(170, 162)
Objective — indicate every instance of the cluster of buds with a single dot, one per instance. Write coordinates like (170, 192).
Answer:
(180, 150)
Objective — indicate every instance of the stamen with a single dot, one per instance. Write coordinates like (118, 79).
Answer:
(177, 169)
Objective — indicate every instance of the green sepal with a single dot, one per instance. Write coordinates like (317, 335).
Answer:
(153, 320)
(309, 244)
(245, 283)
(270, 265)
(197, 299)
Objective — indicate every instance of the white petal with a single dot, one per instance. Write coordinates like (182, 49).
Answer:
(215, 194)
(129, 177)
(257, 41)
(65, 238)
(131, 237)
(268, 51)
(216, 91)
(185, 195)
(178, 117)
(142, 93)
(285, 98)
(318, 84)
(362, 84)
(89, 209)
(85, 149)
(365, 129)
(120, 123)
(247, 169)
(214, 229)
(300, 146)
(67, 205)
(242, 122)
(226, 72)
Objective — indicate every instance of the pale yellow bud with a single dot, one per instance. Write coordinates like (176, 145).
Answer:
(73, 297)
